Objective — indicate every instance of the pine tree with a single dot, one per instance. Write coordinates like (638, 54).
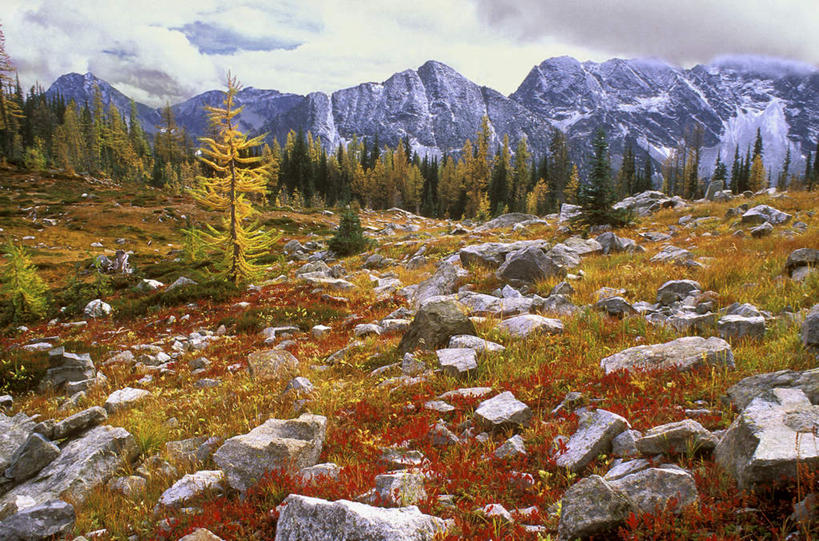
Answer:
(520, 176)
(758, 176)
(499, 186)
(236, 175)
(23, 289)
(628, 171)
(808, 181)
(782, 184)
(11, 113)
(349, 237)
(758, 144)
(597, 195)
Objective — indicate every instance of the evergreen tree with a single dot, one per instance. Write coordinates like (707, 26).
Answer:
(597, 194)
(627, 174)
(572, 188)
(560, 171)
(23, 290)
(349, 238)
(758, 144)
(499, 186)
(236, 175)
(520, 176)
(782, 183)
(736, 168)
(757, 179)
(808, 173)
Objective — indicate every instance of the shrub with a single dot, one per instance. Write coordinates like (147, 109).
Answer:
(349, 238)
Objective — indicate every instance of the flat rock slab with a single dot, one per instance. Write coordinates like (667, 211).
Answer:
(681, 354)
(502, 411)
(192, 486)
(745, 390)
(312, 519)
(473, 342)
(289, 444)
(124, 398)
(527, 324)
(49, 520)
(774, 434)
(593, 436)
(676, 438)
(736, 326)
(458, 362)
(82, 465)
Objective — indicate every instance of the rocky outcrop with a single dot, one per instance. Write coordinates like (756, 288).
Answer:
(743, 392)
(49, 520)
(529, 265)
(434, 324)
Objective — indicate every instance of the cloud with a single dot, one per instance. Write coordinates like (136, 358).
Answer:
(683, 32)
(158, 51)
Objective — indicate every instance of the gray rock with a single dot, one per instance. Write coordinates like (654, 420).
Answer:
(762, 230)
(675, 290)
(774, 434)
(615, 306)
(620, 468)
(97, 308)
(800, 274)
(611, 243)
(493, 254)
(312, 519)
(191, 450)
(149, 285)
(182, 281)
(655, 488)
(810, 328)
(502, 411)
(192, 486)
(584, 246)
(511, 448)
(681, 354)
(300, 385)
(125, 398)
(744, 309)
(49, 520)
(434, 324)
(559, 304)
(736, 326)
(129, 486)
(524, 325)
(676, 438)
(328, 470)
(593, 436)
(200, 534)
(529, 265)
(743, 392)
(671, 254)
(508, 220)
(473, 342)
(763, 213)
(271, 363)
(457, 362)
(691, 321)
(591, 507)
(442, 436)
(803, 257)
(79, 422)
(319, 331)
(441, 283)
(14, 431)
(292, 444)
(316, 279)
(563, 256)
(399, 488)
(82, 465)
(67, 367)
(35, 454)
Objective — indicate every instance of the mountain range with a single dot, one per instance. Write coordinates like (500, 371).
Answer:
(647, 101)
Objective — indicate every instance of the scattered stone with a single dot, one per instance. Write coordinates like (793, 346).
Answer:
(49, 520)
(743, 392)
(615, 306)
(293, 444)
(201, 534)
(35, 454)
(676, 290)
(399, 488)
(473, 342)
(495, 511)
(736, 326)
(763, 213)
(611, 243)
(67, 367)
(468, 392)
(511, 448)
(502, 411)
(271, 363)
(97, 309)
(442, 436)
(671, 254)
(441, 283)
(319, 331)
(129, 486)
(527, 324)
(774, 434)
(124, 398)
(458, 362)
(810, 328)
(620, 469)
(366, 329)
(676, 438)
(654, 488)
(312, 519)
(300, 385)
(691, 321)
(591, 507)
(593, 436)
(328, 470)
(803, 257)
(192, 486)
(680, 354)
(434, 324)
(182, 281)
(77, 423)
(529, 265)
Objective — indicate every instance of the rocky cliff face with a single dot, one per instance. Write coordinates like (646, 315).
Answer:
(647, 101)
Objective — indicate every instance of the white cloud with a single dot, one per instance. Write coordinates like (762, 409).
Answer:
(493, 42)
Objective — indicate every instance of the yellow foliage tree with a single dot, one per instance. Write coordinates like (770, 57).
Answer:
(758, 178)
(236, 176)
(573, 186)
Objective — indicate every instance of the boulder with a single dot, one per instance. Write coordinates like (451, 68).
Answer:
(803, 257)
(289, 444)
(559, 304)
(615, 306)
(192, 486)
(399, 488)
(328, 470)
(441, 283)
(713, 187)
(271, 363)
(736, 326)
(741, 393)
(527, 324)
(591, 507)
(191, 450)
(508, 220)
(691, 321)
(611, 243)
(474, 342)
(67, 367)
(77, 423)
(568, 211)
(654, 488)
(772, 436)
(14, 431)
(810, 328)
(649, 202)
(35, 454)
(97, 308)
(563, 256)
(680, 354)
(125, 398)
(182, 281)
(529, 265)
(458, 362)
(676, 438)
(149, 285)
(318, 279)
(493, 254)
(49, 520)
(671, 254)
(502, 411)
(762, 230)
(303, 518)
(676, 290)
(511, 448)
(593, 436)
(82, 465)
(763, 213)
(201, 534)
(583, 246)
(434, 324)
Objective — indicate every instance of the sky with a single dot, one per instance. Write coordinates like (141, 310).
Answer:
(170, 50)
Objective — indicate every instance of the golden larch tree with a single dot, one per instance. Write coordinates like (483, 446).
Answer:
(236, 176)
(759, 177)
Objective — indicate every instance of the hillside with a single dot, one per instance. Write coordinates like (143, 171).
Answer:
(477, 371)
